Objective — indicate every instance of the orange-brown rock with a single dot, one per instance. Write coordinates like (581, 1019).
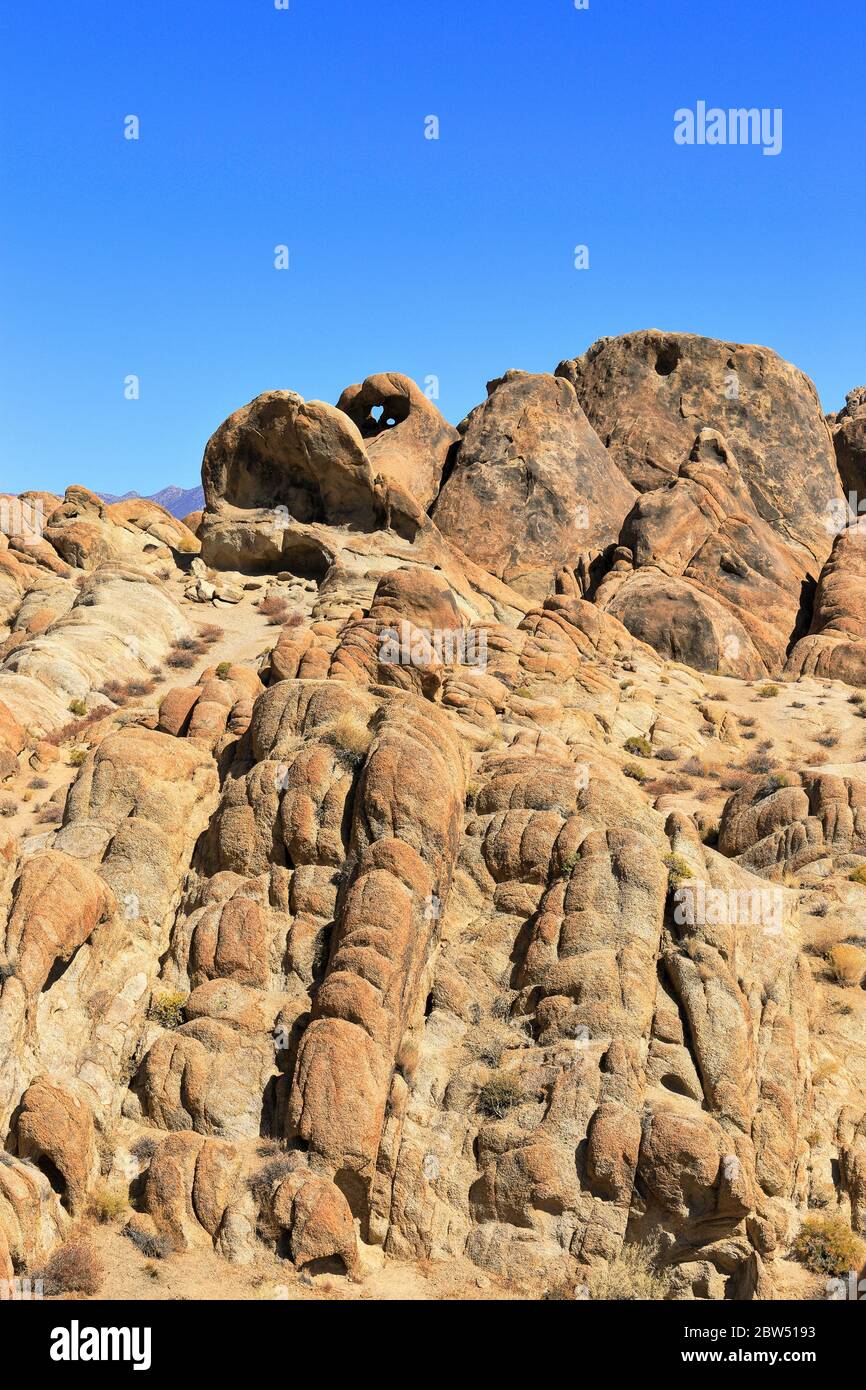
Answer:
(531, 488)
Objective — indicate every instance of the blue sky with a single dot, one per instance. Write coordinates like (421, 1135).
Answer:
(451, 258)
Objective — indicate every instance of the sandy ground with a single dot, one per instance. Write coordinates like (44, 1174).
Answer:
(202, 1274)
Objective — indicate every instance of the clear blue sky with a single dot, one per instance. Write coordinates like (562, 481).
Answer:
(451, 257)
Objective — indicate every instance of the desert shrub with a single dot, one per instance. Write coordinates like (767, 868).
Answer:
(74, 1268)
(827, 1245)
(211, 632)
(223, 670)
(633, 1276)
(76, 727)
(294, 619)
(634, 770)
(153, 1247)
(272, 1173)
(570, 864)
(759, 763)
(748, 721)
(693, 767)
(775, 782)
(846, 964)
(137, 688)
(639, 746)
(498, 1095)
(167, 1009)
(827, 740)
(77, 757)
(38, 784)
(489, 1043)
(8, 806)
(858, 875)
(180, 660)
(350, 735)
(668, 786)
(679, 870)
(114, 690)
(144, 1148)
(767, 692)
(275, 608)
(667, 755)
(105, 1205)
(733, 781)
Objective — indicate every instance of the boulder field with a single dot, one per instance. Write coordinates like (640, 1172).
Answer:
(441, 860)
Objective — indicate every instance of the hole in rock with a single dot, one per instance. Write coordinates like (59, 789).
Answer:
(328, 1264)
(667, 359)
(377, 412)
(305, 560)
(50, 1170)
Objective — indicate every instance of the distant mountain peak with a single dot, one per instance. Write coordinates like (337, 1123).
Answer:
(179, 501)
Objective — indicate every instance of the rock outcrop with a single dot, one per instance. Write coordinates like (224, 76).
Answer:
(700, 577)
(467, 896)
(531, 488)
(649, 394)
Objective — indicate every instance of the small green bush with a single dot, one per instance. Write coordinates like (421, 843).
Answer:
(167, 1009)
(679, 870)
(635, 771)
(638, 745)
(223, 670)
(78, 707)
(827, 1245)
(767, 692)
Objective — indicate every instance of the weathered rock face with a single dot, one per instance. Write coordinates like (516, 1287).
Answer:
(283, 451)
(701, 577)
(405, 436)
(531, 488)
(648, 394)
(848, 429)
(835, 644)
(774, 822)
(432, 905)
